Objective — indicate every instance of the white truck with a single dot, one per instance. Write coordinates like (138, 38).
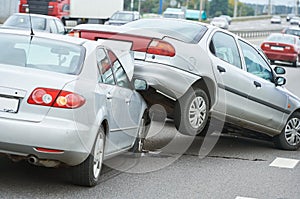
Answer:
(92, 11)
(73, 12)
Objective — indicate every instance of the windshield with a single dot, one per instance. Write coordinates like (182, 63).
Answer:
(179, 29)
(23, 21)
(40, 53)
(122, 16)
(293, 32)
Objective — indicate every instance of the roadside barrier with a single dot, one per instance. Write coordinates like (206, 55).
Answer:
(252, 34)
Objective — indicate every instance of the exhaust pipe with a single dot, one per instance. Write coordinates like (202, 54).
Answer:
(33, 160)
(41, 162)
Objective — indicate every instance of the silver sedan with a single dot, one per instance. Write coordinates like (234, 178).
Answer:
(67, 101)
(199, 72)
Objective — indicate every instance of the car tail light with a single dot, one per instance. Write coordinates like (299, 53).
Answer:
(46, 150)
(159, 47)
(267, 45)
(74, 34)
(55, 98)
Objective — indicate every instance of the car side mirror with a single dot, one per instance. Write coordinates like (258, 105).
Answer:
(280, 81)
(140, 84)
(279, 70)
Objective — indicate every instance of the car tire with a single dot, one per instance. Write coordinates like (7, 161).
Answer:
(289, 138)
(296, 63)
(191, 112)
(88, 172)
(138, 145)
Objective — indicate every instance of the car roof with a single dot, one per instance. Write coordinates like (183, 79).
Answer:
(292, 28)
(58, 37)
(284, 35)
(35, 15)
(129, 12)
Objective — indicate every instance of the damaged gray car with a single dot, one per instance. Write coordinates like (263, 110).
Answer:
(197, 71)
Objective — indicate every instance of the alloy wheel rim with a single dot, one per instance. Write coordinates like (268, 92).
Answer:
(98, 155)
(292, 131)
(197, 112)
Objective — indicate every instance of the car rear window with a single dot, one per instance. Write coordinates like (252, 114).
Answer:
(23, 21)
(41, 53)
(281, 38)
(178, 29)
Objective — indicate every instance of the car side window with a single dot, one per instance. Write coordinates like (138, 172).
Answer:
(104, 66)
(120, 74)
(60, 27)
(52, 26)
(255, 64)
(224, 47)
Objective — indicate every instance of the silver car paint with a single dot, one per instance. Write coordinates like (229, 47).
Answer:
(72, 131)
(173, 76)
(205, 67)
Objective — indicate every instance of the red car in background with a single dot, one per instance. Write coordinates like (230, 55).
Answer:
(282, 47)
(56, 8)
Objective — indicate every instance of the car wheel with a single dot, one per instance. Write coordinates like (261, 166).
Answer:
(138, 145)
(289, 138)
(191, 112)
(296, 63)
(87, 173)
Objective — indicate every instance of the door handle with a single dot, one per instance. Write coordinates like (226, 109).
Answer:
(221, 69)
(257, 84)
(127, 100)
(109, 96)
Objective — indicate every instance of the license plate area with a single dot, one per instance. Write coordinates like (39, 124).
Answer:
(277, 48)
(9, 105)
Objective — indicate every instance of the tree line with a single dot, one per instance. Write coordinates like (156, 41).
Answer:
(213, 8)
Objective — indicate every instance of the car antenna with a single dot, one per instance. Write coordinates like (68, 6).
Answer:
(30, 22)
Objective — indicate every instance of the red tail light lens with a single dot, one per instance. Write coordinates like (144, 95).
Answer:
(74, 34)
(55, 98)
(45, 150)
(159, 47)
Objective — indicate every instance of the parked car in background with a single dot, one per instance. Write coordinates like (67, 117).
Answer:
(289, 16)
(123, 17)
(227, 17)
(220, 22)
(291, 30)
(38, 22)
(276, 19)
(282, 47)
(193, 74)
(67, 101)
(294, 20)
(174, 14)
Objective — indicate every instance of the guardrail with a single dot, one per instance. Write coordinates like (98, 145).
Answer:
(252, 34)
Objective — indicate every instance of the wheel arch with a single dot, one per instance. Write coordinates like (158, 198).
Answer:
(208, 85)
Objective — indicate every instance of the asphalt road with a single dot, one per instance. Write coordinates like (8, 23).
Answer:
(176, 166)
(236, 167)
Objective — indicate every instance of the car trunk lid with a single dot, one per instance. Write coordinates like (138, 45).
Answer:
(17, 84)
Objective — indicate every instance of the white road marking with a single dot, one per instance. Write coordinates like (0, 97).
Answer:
(284, 163)
(239, 197)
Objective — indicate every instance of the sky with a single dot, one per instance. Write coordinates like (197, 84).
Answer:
(274, 2)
